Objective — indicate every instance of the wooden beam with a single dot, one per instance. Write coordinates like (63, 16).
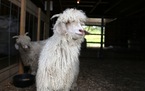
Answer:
(95, 6)
(31, 8)
(44, 31)
(60, 5)
(16, 2)
(47, 22)
(22, 17)
(22, 29)
(133, 5)
(39, 23)
(135, 12)
(113, 6)
(78, 5)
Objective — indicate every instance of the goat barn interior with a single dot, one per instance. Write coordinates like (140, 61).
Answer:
(112, 54)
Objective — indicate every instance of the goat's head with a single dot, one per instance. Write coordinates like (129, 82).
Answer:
(70, 23)
(22, 41)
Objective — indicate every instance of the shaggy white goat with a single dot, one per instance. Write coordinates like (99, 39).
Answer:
(29, 51)
(58, 66)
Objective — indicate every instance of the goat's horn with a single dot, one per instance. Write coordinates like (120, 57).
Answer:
(56, 15)
(26, 33)
(15, 36)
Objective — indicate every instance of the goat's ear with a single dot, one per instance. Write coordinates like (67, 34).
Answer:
(16, 46)
(61, 28)
(26, 33)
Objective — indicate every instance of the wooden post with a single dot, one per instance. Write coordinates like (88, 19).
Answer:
(102, 29)
(22, 29)
(22, 17)
(44, 31)
(39, 23)
(48, 22)
(101, 47)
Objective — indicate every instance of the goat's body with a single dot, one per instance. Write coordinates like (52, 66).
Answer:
(59, 65)
(30, 54)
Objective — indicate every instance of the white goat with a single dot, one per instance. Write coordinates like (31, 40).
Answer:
(58, 65)
(29, 51)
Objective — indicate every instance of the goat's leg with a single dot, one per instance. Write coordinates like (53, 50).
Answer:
(66, 89)
(74, 84)
(74, 87)
(33, 71)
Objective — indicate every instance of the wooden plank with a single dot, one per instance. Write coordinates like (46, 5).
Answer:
(7, 68)
(8, 72)
(32, 8)
(16, 2)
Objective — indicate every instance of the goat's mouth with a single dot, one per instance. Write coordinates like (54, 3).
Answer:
(80, 34)
(83, 32)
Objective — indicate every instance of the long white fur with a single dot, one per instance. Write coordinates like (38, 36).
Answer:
(58, 65)
(29, 51)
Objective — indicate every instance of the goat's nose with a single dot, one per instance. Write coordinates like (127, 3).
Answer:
(82, 31)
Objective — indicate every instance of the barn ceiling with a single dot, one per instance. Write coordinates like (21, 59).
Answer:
(100, 8)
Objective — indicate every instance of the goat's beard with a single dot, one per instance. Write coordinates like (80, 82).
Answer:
(78, 37)
(74, 36)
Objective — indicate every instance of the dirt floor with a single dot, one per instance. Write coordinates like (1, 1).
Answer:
(105, 75)
(111, 75)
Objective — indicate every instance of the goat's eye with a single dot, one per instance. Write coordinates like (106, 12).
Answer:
(82, 24)
(67, 22)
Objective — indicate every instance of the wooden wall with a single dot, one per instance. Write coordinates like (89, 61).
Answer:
(9, 66)
(7, 73)
(126, 32)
